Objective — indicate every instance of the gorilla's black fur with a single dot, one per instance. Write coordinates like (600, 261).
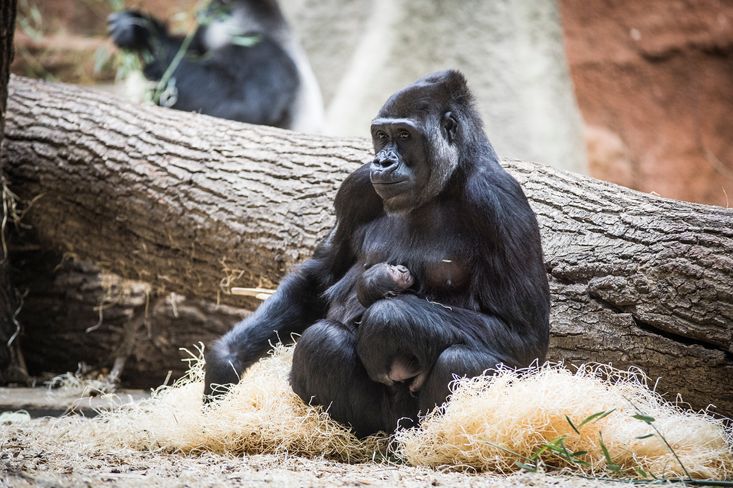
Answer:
(435, 200)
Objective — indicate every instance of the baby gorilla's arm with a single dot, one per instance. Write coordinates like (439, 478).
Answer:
(382, 280)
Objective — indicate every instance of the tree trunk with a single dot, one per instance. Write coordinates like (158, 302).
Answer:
(12, 365)
(104, 319)
(196, 205)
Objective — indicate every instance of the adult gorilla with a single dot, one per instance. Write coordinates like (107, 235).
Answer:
(436, 201)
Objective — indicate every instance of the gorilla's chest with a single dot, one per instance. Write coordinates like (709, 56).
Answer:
(437, 252)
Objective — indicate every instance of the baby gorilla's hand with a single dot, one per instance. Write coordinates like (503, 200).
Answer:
(383, 280)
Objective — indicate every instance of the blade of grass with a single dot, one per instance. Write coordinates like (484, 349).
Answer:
(597, 416)
(650, 421)
(615, 468)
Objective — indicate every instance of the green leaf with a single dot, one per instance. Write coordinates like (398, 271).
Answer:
(557, 446)
(572, 425)
(536, 455)
(597, 416)
(645, 436)
(609, 462)
(641, 473)
(527, 467)
(644, 418)
(245, 41)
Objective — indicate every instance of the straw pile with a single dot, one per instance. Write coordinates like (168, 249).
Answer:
(596, 421)
(260, 415)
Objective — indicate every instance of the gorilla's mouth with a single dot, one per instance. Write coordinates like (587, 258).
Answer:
(388, 183)
(388, 189)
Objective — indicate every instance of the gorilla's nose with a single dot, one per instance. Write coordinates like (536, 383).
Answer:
(384, 163)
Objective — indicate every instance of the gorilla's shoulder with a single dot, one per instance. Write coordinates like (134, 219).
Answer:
(356, 201)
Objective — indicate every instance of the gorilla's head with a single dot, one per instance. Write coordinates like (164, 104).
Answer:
(420, 136)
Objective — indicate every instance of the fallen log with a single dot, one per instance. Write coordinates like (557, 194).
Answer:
(198, 205)
(76, 319)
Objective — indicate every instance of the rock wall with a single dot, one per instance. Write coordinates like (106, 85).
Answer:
(654, 82)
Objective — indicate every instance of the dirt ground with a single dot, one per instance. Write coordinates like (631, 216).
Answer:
(26, 459)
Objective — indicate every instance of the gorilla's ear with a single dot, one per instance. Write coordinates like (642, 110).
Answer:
(450, 126)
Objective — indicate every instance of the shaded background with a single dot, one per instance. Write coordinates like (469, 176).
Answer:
(638, 93)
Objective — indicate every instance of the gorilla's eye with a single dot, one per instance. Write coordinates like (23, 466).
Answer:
(404, 134)
(381, 135)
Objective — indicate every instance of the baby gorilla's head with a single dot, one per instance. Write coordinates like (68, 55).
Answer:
(382, 280)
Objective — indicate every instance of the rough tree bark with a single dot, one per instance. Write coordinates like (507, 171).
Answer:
(196, 204)
(12, 365)
(102, 318)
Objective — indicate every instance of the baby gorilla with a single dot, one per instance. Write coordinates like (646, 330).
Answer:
(383, 281)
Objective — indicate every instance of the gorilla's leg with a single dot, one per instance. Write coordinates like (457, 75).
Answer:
(327, 371)
(400, 338)
(455, 361)
(424, 345)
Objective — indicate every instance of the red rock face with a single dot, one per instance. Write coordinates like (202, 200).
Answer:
(87, 18)
(654, 82)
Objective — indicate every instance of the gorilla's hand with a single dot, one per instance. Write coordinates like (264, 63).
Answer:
(133, 30)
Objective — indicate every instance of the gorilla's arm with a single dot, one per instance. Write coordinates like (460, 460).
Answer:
(298, 302)
(511, 281)
(295, 305)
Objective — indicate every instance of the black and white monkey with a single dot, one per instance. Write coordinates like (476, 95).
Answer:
(242, 63)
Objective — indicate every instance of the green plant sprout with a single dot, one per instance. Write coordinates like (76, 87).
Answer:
(557, 449)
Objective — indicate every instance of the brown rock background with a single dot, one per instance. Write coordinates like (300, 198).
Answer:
(654, 82)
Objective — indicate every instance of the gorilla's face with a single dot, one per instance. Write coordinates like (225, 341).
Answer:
(400, 169)
(415, 158)
(417, 135)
